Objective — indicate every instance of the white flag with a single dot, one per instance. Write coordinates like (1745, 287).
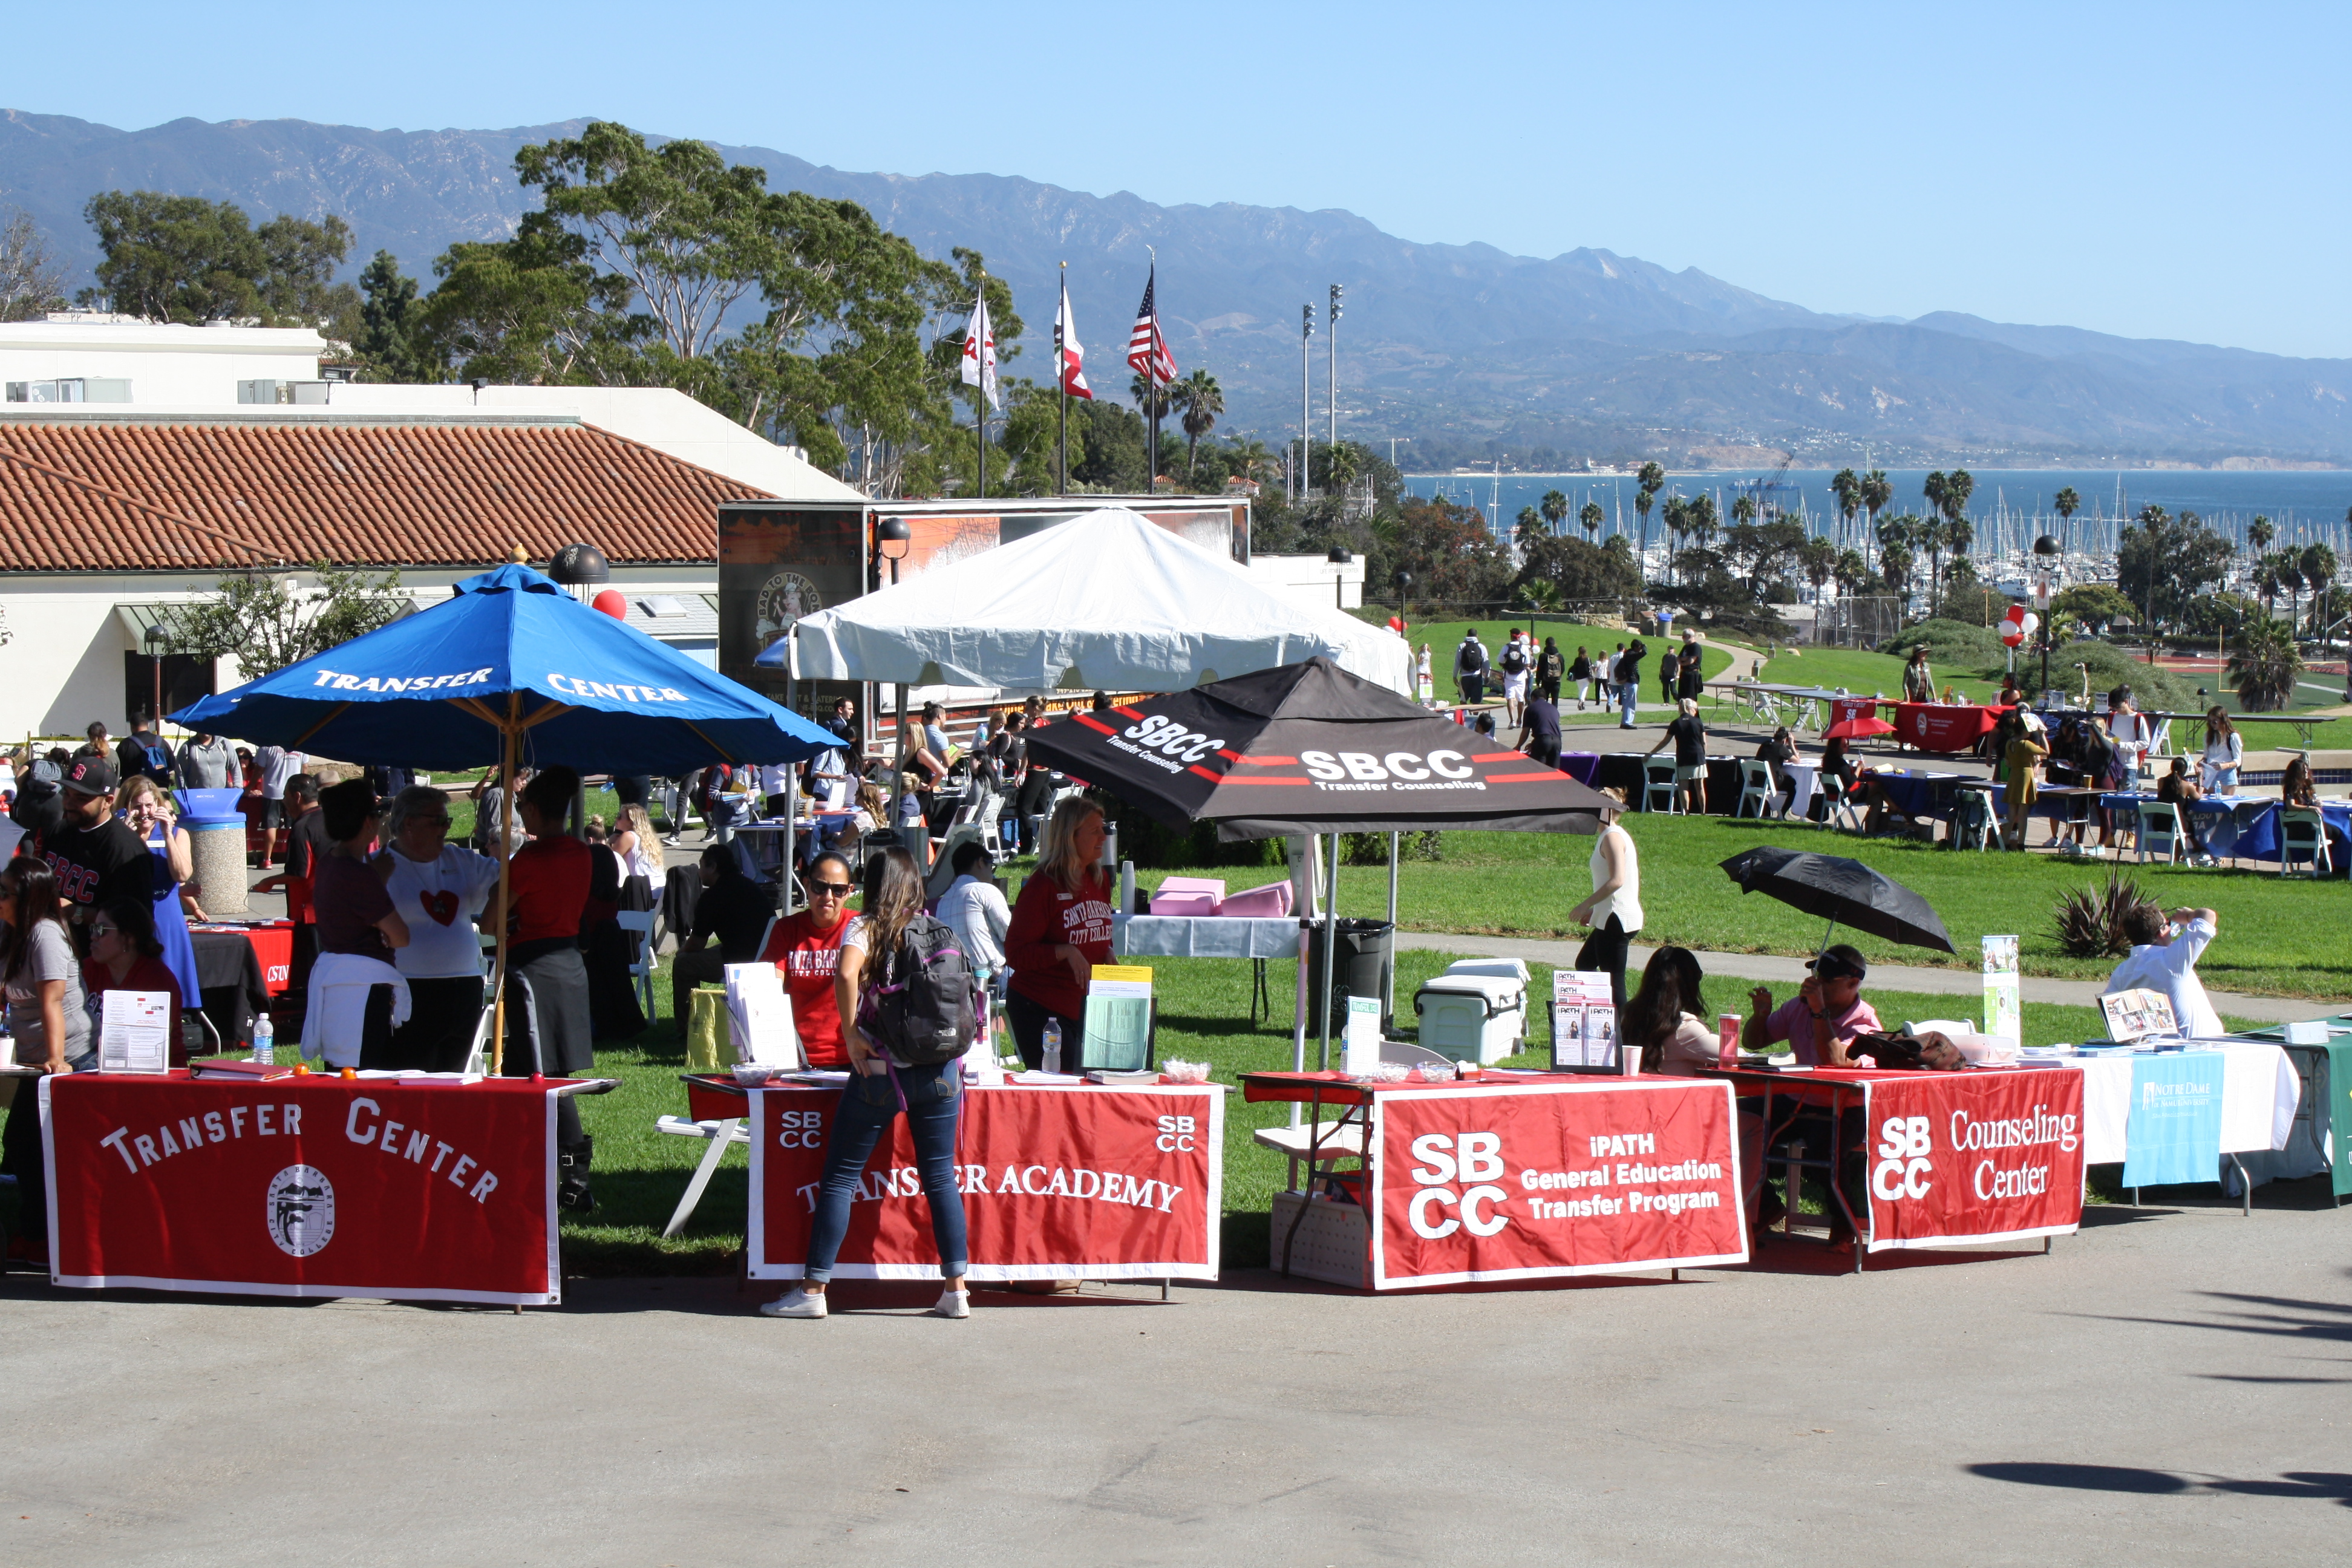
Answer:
(979, 351)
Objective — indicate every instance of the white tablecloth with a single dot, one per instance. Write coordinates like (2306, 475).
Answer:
(2259, 1091)
(1203, 936)
(1803, 779)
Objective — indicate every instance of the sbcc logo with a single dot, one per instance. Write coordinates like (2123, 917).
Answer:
(299, 1210)
(1903, 1150)
(1470, 1156)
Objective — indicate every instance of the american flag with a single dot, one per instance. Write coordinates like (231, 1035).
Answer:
(1146, 349)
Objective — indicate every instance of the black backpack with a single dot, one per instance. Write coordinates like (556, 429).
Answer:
(1471, 657)
(1515, 659)
(922, 1013)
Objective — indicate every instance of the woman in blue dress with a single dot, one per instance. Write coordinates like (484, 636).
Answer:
(142, 803)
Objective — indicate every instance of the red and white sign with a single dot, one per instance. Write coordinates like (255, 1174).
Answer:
(1532, 1180)
(1962, 1157)
(1058, 1182)
(303, 1186)
(1944, 727)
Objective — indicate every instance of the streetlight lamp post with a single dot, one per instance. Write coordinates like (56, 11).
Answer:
(155, 637)
(1305, 398)
(2045, 557)
(1341, 558)
(891, 540)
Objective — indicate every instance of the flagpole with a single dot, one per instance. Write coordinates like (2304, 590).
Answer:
(1151, 381)
(980, 404)
(1062, 384)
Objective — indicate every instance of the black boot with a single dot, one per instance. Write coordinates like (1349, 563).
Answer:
(571, 1177)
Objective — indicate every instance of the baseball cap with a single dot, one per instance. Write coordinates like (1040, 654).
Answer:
(1839, 960)
(91, 775)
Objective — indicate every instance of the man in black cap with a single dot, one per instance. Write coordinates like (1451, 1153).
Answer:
(97, 859)
(1823, 1018)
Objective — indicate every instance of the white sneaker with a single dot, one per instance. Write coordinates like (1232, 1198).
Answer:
(794, 1303)
(953, 1304)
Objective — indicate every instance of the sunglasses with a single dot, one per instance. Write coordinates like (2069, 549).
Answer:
(828, 890)
(102, 930)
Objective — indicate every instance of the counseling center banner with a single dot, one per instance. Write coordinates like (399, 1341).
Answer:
(1057, 1182)
(1959, 1157)
(1525, 1181)
(308, 1186)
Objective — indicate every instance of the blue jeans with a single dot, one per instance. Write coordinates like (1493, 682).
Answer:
(869, 1104)
(1630, 694)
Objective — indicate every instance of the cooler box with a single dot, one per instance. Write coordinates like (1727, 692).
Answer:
(1189, 895)
(1509, 968)
(1269, 902)
(1471, 1017)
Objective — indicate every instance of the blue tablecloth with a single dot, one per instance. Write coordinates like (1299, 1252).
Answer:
(2244, 827)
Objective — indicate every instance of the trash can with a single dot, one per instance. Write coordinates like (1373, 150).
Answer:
(216, 850)
(1363, 954)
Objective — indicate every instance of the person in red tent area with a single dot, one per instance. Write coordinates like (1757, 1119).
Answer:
(805, 948)
(126, 955)
(550, 882)
(1060, 931)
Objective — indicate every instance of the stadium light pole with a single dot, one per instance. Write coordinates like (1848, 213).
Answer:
(1334, 345)
(1306, 397)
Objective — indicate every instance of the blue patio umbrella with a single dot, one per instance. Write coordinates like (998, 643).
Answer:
(509, 664)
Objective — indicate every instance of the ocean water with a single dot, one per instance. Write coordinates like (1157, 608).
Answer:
(2008, 506)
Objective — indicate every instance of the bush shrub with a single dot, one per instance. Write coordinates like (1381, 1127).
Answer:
(2153, 688)
(1950, 644)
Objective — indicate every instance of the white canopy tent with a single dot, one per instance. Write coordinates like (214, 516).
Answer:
(1109, 601)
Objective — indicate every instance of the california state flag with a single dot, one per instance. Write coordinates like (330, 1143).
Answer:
(979, 351)
(1068, 351)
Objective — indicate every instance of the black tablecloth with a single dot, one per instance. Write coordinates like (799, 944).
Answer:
(1623, 770)
(229, 972)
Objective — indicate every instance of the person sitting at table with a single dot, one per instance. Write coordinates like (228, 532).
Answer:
(548, 883)
(1819, 1023)
(2225, 749)
(880, 1086)
(974, 907)
(2179, 790)
(440, 889)
(1613, 912)
(734, 911)
(805, 948)
(1840, 776)
(1776, 753)
(2022, 750)
(1666, 1021)
(125, 955)
(1688, 732)
(2165, 950)
(48, 1018)
(2296, 785)
(358, 926)
(1061, 929)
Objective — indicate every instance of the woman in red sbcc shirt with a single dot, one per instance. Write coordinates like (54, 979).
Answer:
(549, 1031)
(1060, 931)
(805, 948)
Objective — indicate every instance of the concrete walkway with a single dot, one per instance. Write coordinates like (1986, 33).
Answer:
(1777, 969)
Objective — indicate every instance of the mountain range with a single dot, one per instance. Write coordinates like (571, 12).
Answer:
(1464, 349)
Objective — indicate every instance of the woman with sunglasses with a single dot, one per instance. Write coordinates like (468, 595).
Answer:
(127, 954)
(440, 889)
(805, 948)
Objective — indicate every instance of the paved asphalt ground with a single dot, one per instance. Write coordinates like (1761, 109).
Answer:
(2167, 1387)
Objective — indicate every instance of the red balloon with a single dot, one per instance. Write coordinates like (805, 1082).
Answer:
(612, 602)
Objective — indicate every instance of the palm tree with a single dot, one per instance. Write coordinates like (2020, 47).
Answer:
(1677, 521)
(1851, 571)
(1555, 510)
(1932, 487)
(1591, 517)
(1342, 466)
(2319, 571)
(1531, 527)
(1959, 536)
(2259, 534)
(1895, 567)
(1877, 494)
(1932, 537)
(1699, 519)
(2264, 664)
(1743, 508)
(1818, 559)
(1248, 457)
(2266, 582)
(1847, 487)
(1200, 400)
(1651, 481)
(2287, 567)
(1957, 488)
(2067, 504)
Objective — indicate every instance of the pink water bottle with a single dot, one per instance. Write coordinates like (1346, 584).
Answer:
(1727, 1040)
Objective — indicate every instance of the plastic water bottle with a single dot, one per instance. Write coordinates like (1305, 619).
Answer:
(1053, 1045)
(265, 1039)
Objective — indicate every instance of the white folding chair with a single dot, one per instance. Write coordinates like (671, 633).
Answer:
(1841, 810)
(478, 1060)
(1660, 776)
(2303, 836)
(720, 1134)
(641, 964)
(1756, 784)
(1974, 823)
(2159, 831)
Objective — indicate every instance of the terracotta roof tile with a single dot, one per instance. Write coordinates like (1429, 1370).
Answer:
(140, 497)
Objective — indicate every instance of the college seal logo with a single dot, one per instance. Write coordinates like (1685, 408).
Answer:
(300, 1210)
(783, 599)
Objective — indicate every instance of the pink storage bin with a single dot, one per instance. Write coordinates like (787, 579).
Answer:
(1269, 902)
(1183, 904)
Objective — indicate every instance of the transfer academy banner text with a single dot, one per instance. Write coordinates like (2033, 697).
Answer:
(1972, 1156)
(303, 1186)
(1058, 1182)
(1525, 1181)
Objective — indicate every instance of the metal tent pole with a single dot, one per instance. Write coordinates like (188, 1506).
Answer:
(1330, 952)
(1387, 1005)
(506, 854)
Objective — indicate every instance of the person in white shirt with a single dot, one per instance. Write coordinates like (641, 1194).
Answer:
(2165, 950)
(2129, 728)
(439, 890)
(276, 765)
(973, 907)
(2225, 749)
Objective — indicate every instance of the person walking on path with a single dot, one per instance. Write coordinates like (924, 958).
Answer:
(1614, 911)
(1629, 681)
(1470, 667)
(1581, 674)
(1551, 669)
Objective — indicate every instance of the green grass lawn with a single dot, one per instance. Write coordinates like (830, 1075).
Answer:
(1858, 671)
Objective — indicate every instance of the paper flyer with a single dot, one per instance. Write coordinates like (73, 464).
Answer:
(2003, 1015)
(1583, 1020)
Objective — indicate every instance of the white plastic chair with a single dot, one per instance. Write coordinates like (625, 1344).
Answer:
(1841, 810)
(2159, 831)
(1756, 784)
(719, 1133)
(1660, 776)
(641, 965)
(2303, 835)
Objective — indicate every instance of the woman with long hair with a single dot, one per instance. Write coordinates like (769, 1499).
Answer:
(1614, 910)
(881, 1086)
(48, 1014)
(2225, 749)
(1061, 929)
(149, 813)
(1666, 1019)
(805, 948)
(2296, 785)
(126, 954)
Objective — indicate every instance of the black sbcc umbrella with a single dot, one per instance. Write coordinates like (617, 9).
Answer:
(1310, 748)
(1842, 892)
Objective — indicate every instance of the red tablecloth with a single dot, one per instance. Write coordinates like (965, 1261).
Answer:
(273, 944)
(1058, 1182)
(1540, 1177)
(303, 1186)
(1935, 727)
(1952, 1158)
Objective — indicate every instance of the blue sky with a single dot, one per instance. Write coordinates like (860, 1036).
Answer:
(2152, 170)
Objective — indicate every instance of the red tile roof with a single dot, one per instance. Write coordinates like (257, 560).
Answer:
(84, 496)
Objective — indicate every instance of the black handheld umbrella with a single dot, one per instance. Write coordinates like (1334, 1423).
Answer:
(1842, 892)
(1310, 748)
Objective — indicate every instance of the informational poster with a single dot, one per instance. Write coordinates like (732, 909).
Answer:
(2173, 1132)
(2003, 1015)
(2138, 1015)
(134, 1032)
(1360, 1048)
(1117, 1020)
(1583, 1021)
